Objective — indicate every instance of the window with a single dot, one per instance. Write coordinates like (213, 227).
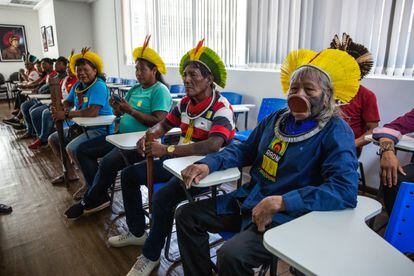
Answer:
(176, 27)
(260, 33)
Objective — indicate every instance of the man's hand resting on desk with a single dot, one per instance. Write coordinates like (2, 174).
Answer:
(194, 172)
(264, 211)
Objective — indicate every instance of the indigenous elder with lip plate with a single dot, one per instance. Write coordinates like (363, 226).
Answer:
(206, 121)
(146, 104)
(303, 159)
(361, 113)
(90, 98)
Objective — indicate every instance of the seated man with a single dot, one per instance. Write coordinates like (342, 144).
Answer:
(89, 97)
(303, 159)
(30, 104)
(206, 121)
(391, 172)
(31, 77)
(146, 104)
(361, 113)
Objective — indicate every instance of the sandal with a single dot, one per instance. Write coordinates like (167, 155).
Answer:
(5, 209)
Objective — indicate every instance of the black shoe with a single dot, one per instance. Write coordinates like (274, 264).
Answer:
(76, 211)
(5, 209)
(12, 121)
(19, 126)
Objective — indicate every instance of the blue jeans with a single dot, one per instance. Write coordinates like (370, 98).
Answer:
(72, 145)
(100, 177)
(26, 108)
(42, 122)
(164, 202)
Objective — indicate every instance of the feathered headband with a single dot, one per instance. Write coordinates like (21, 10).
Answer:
(29, 58)
(209, 59)
(358, 51)
(149, 54)
(90, 56)
(341, 68)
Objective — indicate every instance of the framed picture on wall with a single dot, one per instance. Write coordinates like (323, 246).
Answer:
(13, 43)
(44, 40)
(49, 36)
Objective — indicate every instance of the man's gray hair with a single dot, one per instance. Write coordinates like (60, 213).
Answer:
(330, 109)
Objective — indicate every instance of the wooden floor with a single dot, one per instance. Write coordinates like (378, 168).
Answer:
(37, 240)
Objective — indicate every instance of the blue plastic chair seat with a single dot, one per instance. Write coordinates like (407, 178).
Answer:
(243, 135)
(400, 227)
(227, 235)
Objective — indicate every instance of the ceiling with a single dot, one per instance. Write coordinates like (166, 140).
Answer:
(31, 3)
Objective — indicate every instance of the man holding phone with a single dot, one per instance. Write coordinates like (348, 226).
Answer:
(145, 104)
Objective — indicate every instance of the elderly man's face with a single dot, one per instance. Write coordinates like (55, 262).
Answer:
(305, 97)
(195, 83)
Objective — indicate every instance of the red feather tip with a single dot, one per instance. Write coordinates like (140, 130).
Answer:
(146, 42)
(199, 45)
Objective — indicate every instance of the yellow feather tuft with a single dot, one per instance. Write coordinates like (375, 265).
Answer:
(293, 61)
(343, 71)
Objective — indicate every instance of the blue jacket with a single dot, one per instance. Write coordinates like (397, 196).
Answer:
(318, 174)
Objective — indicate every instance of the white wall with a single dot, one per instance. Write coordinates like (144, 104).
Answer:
(73, 26)
(104, 34)
(46, 14)
(29, 19)
(395, 96)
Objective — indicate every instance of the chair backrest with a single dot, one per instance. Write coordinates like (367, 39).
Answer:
(117, 80)
(177, 88)
(400, 229)
(232, 97)
(270, 105)
(14, 76)
(130, 82)
(110, 79)
(2, 80)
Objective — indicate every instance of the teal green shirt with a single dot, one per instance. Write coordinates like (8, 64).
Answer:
(154, 98)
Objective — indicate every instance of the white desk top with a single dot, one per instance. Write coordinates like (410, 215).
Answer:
(39, 96)
(128, 141)
(46, 101)
(124, 87)
(177, 95)
(26, 92)
(337, 243)
(94, 121)
(176, 165)
(113, 85)
(406, 142)
(238, 108)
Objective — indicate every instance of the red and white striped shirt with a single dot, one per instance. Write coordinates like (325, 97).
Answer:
(217, 120)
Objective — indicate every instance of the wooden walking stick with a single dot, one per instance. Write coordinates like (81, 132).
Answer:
(55, 95)
(150, 173)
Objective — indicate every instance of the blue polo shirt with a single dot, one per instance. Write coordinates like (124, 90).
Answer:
(97, 94)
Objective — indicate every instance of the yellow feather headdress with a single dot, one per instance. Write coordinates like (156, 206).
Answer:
(341, 68)
(92, 57)
(209, 59)
(149, 54)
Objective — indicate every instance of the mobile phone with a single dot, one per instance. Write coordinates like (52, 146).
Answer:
(116, 98)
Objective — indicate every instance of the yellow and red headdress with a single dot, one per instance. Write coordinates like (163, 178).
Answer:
(341, 68)
(90, 56)
(149, 54)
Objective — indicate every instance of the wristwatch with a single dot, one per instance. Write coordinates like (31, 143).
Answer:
(170, 150)
(67, 113)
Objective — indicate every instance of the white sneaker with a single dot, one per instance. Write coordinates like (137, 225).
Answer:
(143, 266)
(127, 239)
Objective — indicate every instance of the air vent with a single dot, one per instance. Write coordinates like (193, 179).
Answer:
(23, 2)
